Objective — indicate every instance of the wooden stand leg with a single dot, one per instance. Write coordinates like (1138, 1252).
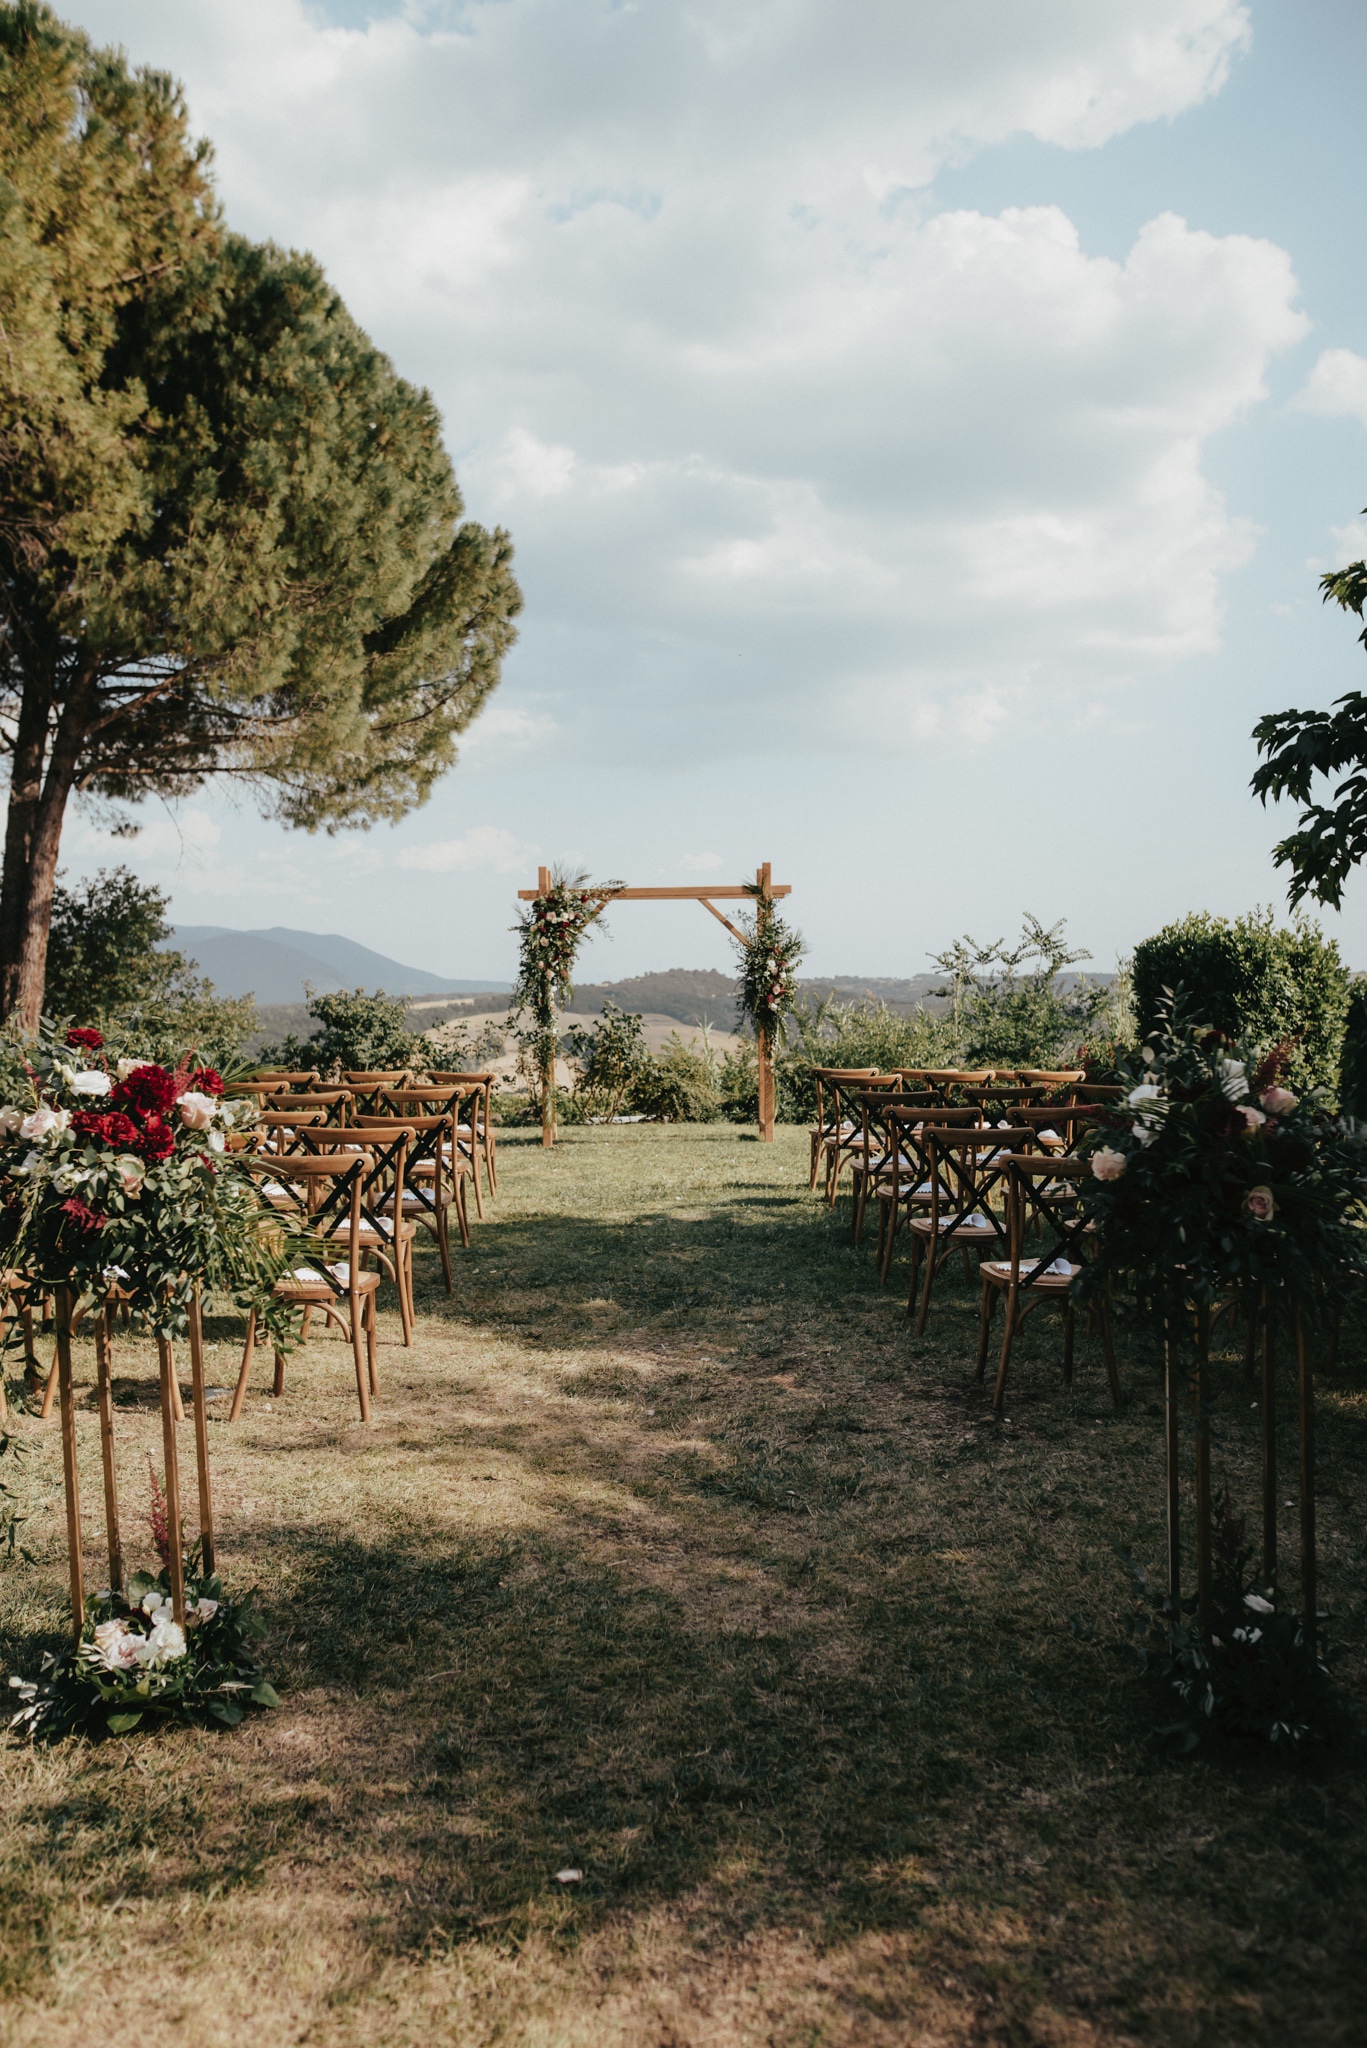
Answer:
(104, 1326)
(1305, 1389)
(1173, 1437)
(1269, 1449)
(168, 1441)
(1203, 1504)
(206, 1504)
(70, 1476)
(765, 1058)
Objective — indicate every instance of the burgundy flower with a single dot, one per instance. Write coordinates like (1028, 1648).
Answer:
(204, 1081)
(148, 1090)
(81, 1214)
(83, 1036)
(156, 1140)
(108, 1127)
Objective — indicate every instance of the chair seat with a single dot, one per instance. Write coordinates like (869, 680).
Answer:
(306, 1283)
(383, 1231)
(1048, 1282)
(969, 1230)
(416, 1203)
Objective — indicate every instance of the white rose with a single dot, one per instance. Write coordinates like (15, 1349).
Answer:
(116, 1646)
(1147, 1091)
(1107, 1163)
(155, 1603)
(1258, 1604)
(91, 1082)
(217, 1141)
(196, 1110)
(10, 1119)
(1233, 1080)
(127, 1067)
(162, 1645)
(40, 1122)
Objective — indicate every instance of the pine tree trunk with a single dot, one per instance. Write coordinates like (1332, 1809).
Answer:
(33, 839)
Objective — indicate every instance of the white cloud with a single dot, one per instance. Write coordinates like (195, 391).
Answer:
(487, 848)
(701, 864)
(767, 428)
(1337, 386)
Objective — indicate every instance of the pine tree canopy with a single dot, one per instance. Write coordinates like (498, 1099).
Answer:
(231, 539)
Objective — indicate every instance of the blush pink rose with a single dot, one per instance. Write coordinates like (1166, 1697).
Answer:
(196, 1110)
(1108, 1164)
(1278, 1101)
(1260, 1205)
(1252, 1117)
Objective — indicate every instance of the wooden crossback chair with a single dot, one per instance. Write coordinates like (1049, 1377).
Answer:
(322, 1193)
(272, 1130)
(1043, 1191)
(828, 1111)
(1052, 1078)
(387, 1230)
(478, 1137)
(334, 1102)
(845, 1145)
(475, 1129)
(284, 1077)
(436, 1174)
(368, 1084)
(910, 1189)
(966, 1166)
(881, 1160)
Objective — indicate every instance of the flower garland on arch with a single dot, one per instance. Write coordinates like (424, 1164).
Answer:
(550, 933)
(770, 955)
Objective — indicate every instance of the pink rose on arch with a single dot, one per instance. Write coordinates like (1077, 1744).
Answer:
(197, 1111)
(1278, 1101)
(1252, 1117)
(1107, 1163)
(1260, 1205)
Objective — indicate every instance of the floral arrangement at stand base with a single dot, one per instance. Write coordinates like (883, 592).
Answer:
(1253, 1681)
(135, 1664)
(121, 1175)
(550, 934)
(1213, 1182)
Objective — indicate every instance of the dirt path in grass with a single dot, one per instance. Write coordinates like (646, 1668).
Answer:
(671, 1560)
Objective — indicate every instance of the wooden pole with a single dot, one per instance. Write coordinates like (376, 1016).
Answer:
(206, 1505)
(104, 1326)
(543, 888)
(765, 1052)
(1269, 1447)
(70, 1476)
(1305, 1389)
(1173, 1437)
(1203, 1504)
(175, 1559)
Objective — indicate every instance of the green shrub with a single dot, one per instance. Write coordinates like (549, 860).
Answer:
(358, 1032)
(1254, 982)
(108, 966)
(681, 1086)
(1008, 1007)
(611, 1056)
(1353, 1062)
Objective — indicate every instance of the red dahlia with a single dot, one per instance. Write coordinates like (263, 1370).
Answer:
(107, 1127)
(204, 1081)
(88, 1040)
(156, 1140)
(149, 1091)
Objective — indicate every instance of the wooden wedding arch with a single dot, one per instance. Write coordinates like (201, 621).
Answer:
(766, 890)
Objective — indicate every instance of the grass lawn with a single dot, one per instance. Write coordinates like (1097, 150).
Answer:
(671, 1558)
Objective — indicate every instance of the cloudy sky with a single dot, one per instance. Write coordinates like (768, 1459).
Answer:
(921, 428)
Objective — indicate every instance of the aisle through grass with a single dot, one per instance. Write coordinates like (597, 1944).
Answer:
(671, 1560)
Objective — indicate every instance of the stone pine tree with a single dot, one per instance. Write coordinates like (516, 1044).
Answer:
(231, 541)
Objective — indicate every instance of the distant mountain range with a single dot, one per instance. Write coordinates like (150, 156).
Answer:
(274, 963)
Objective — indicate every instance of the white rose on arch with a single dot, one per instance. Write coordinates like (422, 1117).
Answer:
(91, 1082)
(40, 1123)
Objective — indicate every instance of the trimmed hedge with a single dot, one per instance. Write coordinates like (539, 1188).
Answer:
(1254, 981)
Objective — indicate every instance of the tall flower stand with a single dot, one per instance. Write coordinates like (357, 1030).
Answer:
(171, 1414)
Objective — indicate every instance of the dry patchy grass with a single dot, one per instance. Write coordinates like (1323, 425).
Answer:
(671, 1558)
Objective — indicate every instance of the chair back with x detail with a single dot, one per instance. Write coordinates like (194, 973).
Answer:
(320, 1193)
(475, 1131)
(436, 1174)
(1041, 1191)
(905, 1122)
(965, 1167)
(386, 1229)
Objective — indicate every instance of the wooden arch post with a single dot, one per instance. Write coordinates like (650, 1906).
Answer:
(766, 890)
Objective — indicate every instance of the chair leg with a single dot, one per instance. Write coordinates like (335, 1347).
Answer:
(371, 1341)
(1008, 1338)
(985, 1314)
(915, 1271)
(474, 1175)
(931, 1265)
(304, 1326)
(444, 1247)
(462, 1201)
(248, 1349)
(1108, 1346)
(491, 1161)
(362, 1384)
(402, 1278)
(278, 1383)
